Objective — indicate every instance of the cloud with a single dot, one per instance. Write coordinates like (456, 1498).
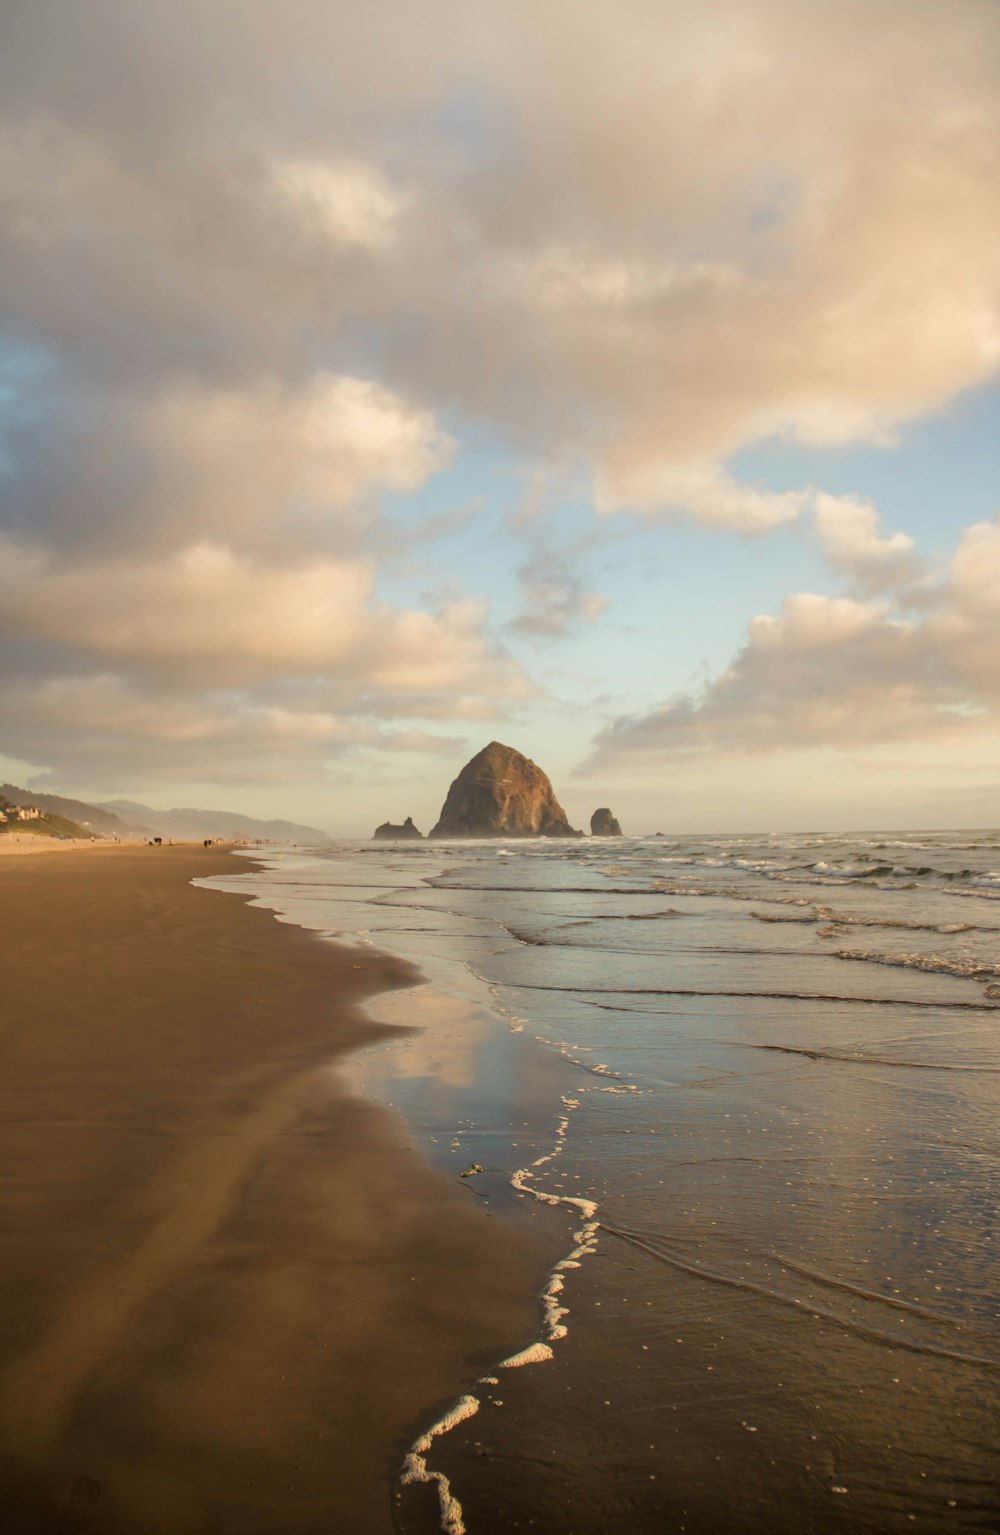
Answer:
(210, 612)
(273, 274)
(110, 732)
(702, 491)
(555, 600)
(849, 535)
(348, 204)
(326, 446)
(423, 741)
(209, 662)
(275, 467)
(839, 672)
(728, 229)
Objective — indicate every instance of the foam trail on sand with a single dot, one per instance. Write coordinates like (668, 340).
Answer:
(523, 1181)
(415, 1467)
(535, 1353)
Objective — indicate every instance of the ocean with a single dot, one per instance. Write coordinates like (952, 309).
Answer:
(748, 1088)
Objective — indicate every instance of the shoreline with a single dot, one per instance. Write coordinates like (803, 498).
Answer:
(15, 843)
(228, 1277)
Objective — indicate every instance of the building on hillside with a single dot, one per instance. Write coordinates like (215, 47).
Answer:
(23, 813)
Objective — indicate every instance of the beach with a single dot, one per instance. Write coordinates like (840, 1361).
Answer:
(233, 1292)
(308, 1151)
(766, 1088)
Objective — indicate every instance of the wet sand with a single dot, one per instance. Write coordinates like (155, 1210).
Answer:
(231, 1291)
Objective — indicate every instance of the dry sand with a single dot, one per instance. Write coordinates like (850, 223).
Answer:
(32, 842)
(230, 1291)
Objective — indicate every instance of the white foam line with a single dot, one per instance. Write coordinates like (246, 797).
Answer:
(465, 1407)
(585, 1239)
(415, 1467)
(535, 1353)
(552, 1310)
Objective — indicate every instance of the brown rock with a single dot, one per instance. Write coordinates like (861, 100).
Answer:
(387, 832)
(502, 794)
(603, 824)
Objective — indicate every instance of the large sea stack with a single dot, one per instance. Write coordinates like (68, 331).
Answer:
(502, 794)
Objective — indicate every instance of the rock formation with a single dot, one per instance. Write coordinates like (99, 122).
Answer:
(502, 794)
(603, 824)
(387, 832)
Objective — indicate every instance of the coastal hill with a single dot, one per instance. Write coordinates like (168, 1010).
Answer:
(500, 793)
(192, 825)
(90, 820)
(22, 816)
(128, 820)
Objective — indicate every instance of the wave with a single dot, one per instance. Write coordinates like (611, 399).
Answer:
(597, 920)
(779, 918)
(851, 870)
(935, 964)
(855, 919)
(857, 1058)
(658, 1250)
(585, 992)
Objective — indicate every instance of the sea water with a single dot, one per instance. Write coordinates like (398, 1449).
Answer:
(754, 1084)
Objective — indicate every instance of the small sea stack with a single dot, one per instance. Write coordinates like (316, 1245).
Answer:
(604, 824)
(407, 832)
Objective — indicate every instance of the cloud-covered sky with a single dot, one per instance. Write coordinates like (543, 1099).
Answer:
(619, 379)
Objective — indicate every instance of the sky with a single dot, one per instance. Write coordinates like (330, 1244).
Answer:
(616, 379)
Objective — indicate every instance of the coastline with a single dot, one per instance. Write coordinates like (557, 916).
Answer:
(232, 1286)
(15, 843)
(789, 1320)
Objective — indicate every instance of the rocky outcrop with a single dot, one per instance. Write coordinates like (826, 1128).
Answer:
(502, 794)
(603, 824)
(387, 832)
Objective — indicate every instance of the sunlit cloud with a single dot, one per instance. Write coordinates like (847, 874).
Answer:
(348, 203)
(702, 491)
(282, 277)
(855, 546)
(839, 672)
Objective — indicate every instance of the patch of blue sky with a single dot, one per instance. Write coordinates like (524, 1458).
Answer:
(940, 474)
(447, 539)
(481, 118)
(25, 367)
(679, 596)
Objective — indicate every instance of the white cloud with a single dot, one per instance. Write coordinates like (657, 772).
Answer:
(729, 229)
(265, 263)
(205, 608)
(837, 672)
(849, 534)
(349, 203)
(111, 732)
(210, 617)
(251, 456)
(108, 731)
(702, 491)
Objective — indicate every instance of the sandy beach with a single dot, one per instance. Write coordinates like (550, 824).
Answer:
(231, 1291)
(766, 1068)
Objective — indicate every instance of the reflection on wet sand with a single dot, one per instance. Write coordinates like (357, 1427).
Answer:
(789, 1321)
